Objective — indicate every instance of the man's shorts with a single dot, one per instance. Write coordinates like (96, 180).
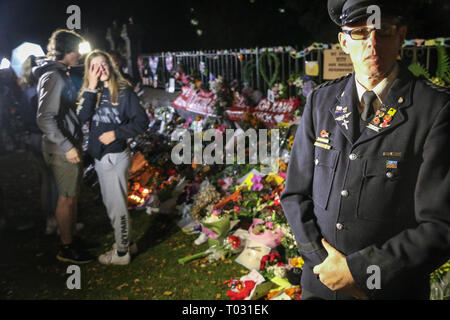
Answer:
(67, 174)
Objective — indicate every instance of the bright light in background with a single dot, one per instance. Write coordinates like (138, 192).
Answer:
(27, 49)
(5, 64)
(22, 52)
(84, 48)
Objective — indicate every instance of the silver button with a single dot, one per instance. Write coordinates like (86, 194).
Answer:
(390, 175)
(317, 162)
(345, 193)
(340, 226)
(353, 156)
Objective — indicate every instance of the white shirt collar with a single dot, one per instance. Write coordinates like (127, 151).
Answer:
(381, 89)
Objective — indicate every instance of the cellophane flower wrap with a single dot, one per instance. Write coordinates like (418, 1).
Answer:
(270, 237)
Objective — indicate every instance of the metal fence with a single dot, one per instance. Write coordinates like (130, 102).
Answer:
(243, 65)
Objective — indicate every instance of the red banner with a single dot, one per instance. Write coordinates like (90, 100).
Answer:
(272, 113)
(198, 101)
(239, 108)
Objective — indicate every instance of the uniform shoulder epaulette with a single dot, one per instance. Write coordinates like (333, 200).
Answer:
(329, 83)
(435, 86)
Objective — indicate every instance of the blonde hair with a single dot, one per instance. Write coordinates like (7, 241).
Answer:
(28, 79)
(116, 81)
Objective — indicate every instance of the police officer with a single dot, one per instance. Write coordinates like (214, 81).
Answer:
(368, 186)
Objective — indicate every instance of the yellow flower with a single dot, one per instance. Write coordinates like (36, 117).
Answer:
(284, 125)
(297, 262)
(274, 178)
(291, 142)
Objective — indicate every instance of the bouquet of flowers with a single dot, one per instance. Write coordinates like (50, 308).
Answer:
(231, 245)
(239, 290)
(267, 231)
(216, 226)
(272, 266)
(288, 241)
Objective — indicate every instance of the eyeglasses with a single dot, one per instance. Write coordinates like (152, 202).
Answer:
(364, 33)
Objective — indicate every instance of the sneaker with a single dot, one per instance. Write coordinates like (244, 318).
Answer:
(133, 249)
(75, 256)
(112, 258)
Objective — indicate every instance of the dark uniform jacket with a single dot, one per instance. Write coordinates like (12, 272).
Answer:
(380, 197)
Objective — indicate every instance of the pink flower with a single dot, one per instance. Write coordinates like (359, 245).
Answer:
(216, 212)
(237, 209)
(282, 174)
(270, 225)
(257, 185)
(227, 182)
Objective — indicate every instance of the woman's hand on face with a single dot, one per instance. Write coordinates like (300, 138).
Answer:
(95, 71)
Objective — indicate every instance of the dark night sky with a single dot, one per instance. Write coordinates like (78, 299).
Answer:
(226, 24)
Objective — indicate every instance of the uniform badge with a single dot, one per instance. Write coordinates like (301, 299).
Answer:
(343, 119)
(324, 134)
(382, 119)
(392, 112)
(322, 145)
(324, 140)
(392, 154)
(340, 110)
(391, 164)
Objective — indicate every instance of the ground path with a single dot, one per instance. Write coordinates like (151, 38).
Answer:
(29, 269)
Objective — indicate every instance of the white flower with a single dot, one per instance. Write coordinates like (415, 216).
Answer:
(298, 82)
(277, 271)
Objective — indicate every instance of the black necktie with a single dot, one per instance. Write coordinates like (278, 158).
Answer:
(368, 98)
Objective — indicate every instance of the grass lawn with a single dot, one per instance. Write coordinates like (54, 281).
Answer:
(29, 269)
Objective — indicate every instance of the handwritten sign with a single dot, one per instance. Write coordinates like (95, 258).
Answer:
(336, 64)
(272, 113)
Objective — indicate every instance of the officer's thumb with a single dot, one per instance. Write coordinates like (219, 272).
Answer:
(316, 269)
(328, 247)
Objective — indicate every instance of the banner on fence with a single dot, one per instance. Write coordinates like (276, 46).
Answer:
(239, 108)
(336, 64)
(197, 101)
(272, 113)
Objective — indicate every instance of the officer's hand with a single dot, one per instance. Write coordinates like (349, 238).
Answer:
(335, 273)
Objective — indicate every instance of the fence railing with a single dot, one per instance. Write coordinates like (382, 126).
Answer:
(244, 65)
